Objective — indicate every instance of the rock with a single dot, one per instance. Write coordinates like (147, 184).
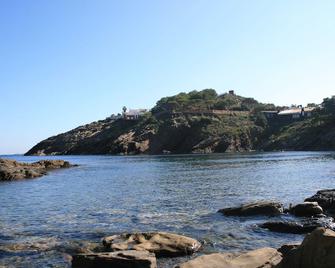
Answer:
(160, 243)
(13, 170)
(260, 258)
(316, 251)
(325, 198)
(287, 249)
(121, 259)
(267, 208)
(52, 164)
(306, 209)
(299, 227)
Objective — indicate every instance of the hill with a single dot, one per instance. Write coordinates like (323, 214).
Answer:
(194, 122)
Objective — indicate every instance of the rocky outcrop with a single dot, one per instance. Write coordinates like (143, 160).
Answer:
(299, 227)
(260, 258)
(13, 170)
(161, 243)
(267, 208)
(325, 198)
(316, 251)
(121, 259)
(306, 209)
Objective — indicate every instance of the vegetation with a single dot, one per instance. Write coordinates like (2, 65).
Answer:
(316, 133)
(208, 99)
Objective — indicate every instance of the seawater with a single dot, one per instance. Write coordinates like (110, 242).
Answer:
(44, 219)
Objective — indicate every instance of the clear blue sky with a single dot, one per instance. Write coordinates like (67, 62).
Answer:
(65, 63)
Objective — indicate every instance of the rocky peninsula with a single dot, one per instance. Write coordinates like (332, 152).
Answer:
(199, 122)
(12, 170)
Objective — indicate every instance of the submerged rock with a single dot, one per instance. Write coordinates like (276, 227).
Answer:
(260, 258)
(298, 227)
(325, 198)
(120, 259)
(306, 209)
(267, 208)
(13, 170)
(316, 251)
(161, 243)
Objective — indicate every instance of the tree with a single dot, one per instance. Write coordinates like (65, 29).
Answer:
(328, 105)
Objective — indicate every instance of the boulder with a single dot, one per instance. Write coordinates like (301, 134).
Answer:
(120, 259)
(286, 249)
(306, 209)
(260, 258)
(325, 198)
(316, 251)
(13, 170)
(267, 208)
(161, 243)
(298, 227)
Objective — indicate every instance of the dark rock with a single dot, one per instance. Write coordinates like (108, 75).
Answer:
(316, 251)
(325, 198)
(121, 259)
(267, 208)
(161, 243)
(260, 258)
(13, 170)
(306, 209)
(299, 227)
(287, 249)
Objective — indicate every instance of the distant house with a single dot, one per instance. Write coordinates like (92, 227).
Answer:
(296, 113)
(308, 111)
(134, 114)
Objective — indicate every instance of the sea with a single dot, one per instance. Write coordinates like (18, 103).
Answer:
(43, 221)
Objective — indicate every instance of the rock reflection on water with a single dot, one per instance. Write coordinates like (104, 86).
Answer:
(43, 221)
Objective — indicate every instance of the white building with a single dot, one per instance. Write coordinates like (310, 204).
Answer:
(296, 113)
(134, 114)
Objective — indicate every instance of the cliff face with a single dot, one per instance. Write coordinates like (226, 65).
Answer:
(181, 134)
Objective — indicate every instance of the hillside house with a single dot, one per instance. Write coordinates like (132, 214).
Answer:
(134, 114)
(296, 113)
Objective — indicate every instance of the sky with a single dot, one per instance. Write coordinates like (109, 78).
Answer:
(66, 63)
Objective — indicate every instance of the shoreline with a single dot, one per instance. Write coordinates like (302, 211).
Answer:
(182, 154)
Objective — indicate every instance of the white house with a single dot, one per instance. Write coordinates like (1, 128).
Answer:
(134, 114)
(296, 112)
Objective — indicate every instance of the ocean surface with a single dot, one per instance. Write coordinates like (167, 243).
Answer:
(44, 220)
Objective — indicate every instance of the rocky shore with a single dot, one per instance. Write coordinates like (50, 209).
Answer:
(12, 170)
(141, 250)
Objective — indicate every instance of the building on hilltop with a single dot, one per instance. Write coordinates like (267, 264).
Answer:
(133, 114)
